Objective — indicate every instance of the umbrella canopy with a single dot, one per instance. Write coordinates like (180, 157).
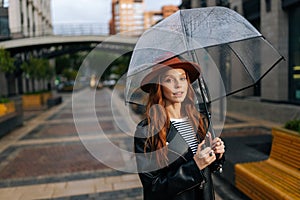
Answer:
(231, 53)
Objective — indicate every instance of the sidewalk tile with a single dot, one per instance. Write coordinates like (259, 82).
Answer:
(9, 193)
(127, 185)
(34, 192)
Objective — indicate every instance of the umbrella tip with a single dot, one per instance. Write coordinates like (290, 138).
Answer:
(283, 58)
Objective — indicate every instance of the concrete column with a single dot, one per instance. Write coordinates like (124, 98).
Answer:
(39, 12)
(274, 26)
(36, 22)
(195, 4)
(39, 28)
(237, 5)
(48, 17)
(211, 3)
(30, 14)
(14, 18)
(25, 17)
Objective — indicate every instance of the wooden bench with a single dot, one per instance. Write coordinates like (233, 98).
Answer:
(278, 177)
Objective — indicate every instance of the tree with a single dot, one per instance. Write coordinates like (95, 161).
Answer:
(6, 62)
(69, 74)
(67, 61)
(7, 66)
(37, 69)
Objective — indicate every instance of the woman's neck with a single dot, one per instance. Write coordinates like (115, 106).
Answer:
(174, 110)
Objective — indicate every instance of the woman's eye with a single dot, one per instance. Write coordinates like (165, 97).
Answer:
(168, 80)
(183, 79)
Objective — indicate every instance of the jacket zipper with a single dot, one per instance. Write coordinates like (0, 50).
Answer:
(198, 184)
(188, 189)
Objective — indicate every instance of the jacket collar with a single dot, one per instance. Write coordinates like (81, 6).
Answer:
(176, 142)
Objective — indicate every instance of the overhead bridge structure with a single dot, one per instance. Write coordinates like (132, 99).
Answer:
(57, 45)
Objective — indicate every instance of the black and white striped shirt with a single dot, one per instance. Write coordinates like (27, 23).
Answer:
(185, 129)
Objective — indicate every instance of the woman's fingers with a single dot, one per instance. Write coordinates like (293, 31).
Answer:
(204, 156)
(205, 152)
(218, 146)
(201, 146)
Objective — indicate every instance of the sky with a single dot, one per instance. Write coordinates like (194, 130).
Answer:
(93, 11)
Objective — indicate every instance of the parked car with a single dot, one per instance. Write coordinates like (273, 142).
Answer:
(109, 83)
(66, 86)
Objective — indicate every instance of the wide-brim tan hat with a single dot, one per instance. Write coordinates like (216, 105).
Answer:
(192, 69)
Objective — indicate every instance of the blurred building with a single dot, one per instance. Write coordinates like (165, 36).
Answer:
(127, 17)
(4, 26)
(169, 10)
(152, 17)
(278, 21)
(25, 18)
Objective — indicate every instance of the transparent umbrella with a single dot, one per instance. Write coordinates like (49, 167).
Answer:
(231, 53)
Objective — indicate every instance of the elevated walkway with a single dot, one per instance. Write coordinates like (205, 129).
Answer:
(51, 40)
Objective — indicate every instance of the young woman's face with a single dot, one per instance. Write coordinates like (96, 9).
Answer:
(175, 85)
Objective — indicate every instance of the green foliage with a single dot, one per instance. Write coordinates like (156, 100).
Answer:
(35, 92)
(70, 74)
(72, 61)
(4, 100)
(38, 69)
(29, 67)
(118, 67)
(6, 62)
(293, 125)
(122, 64)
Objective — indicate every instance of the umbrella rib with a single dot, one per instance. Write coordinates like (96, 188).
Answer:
(255, 83)
(133, 103)
(231, 93)
(184, 31)
(235, 53)
(281, 58)
(231, 42)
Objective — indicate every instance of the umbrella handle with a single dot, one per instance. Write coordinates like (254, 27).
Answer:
(207, 113)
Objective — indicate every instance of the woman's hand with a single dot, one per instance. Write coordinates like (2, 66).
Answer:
(204, 157)
(218, 147)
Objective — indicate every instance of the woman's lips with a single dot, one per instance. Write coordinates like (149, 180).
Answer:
(178, 94)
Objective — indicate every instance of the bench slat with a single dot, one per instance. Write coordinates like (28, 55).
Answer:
(259, 180)
(249, 191)
(249, 188)
(275, 178)
(273, 174)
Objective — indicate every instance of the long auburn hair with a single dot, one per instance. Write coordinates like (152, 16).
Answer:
(159, 120)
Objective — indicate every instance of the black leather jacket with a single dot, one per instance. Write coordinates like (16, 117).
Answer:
(181, 178)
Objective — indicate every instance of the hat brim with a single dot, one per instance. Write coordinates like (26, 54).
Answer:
(192, 69)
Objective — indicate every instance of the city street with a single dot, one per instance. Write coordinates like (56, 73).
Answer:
(45, 158)
(73, 77)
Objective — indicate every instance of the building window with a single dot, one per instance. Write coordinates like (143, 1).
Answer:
(224, 3)
(294, 55)
(4, 27)
(4, 3)
(268, 5)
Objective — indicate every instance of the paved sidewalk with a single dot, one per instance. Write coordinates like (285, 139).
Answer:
(46, 159)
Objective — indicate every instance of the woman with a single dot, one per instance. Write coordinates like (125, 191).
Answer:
(172, 159)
